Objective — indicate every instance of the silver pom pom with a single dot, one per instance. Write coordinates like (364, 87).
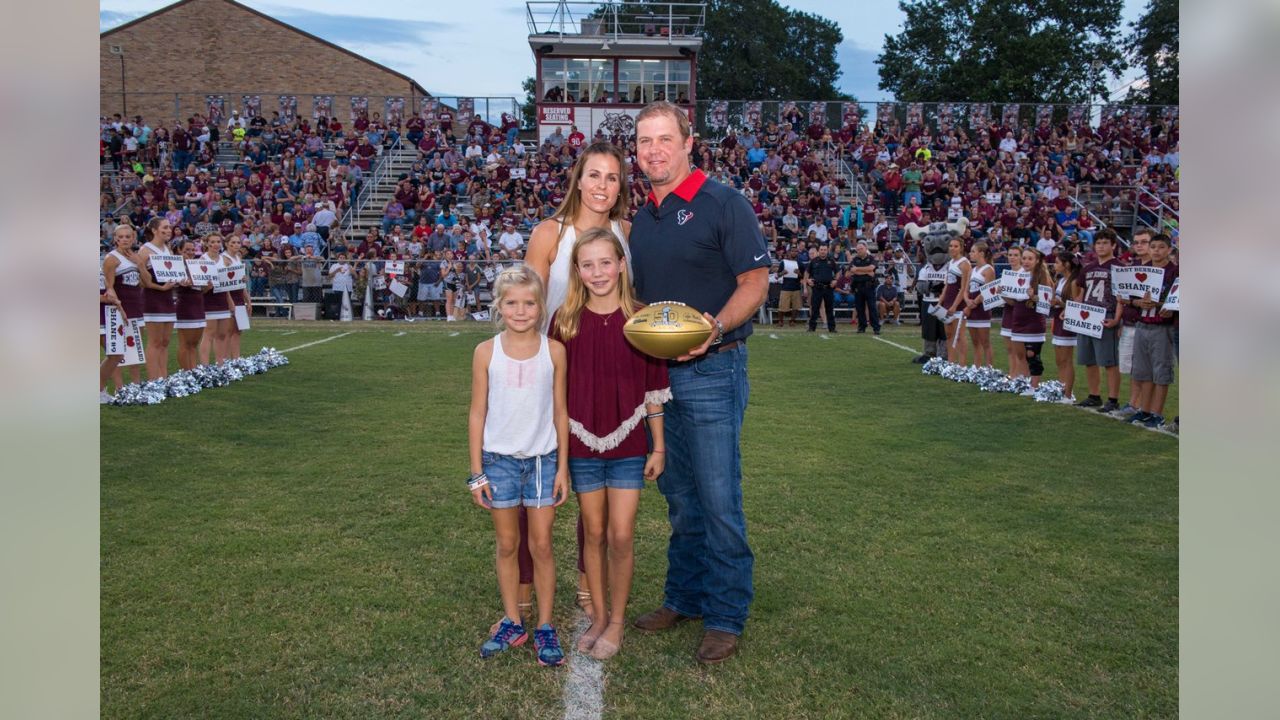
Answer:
(189, 382)
(1049, 391)
(934, 366)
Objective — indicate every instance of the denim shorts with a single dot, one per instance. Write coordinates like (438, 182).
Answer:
(514, 481)
(590, 474)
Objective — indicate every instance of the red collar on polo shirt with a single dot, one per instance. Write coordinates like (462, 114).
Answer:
(687, 189)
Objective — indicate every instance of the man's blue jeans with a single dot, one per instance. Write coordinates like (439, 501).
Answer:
(709, 563)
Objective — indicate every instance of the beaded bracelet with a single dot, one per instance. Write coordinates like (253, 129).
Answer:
(477, 481)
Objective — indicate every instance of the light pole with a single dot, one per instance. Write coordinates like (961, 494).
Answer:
(124, 94)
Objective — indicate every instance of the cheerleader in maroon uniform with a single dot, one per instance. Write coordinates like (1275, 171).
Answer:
(217, 308)
(1027, 325)
(159, 304)
(959, 270)
(239, 298)
(978, 318)
(191, 320)
(123, 282)
(1014, 257)
(1067, 267)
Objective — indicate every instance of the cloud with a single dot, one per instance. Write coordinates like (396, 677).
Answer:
(859, 73)
(344, 29)
(108, 19)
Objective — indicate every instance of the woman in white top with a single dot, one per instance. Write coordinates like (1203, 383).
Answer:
(596, 196)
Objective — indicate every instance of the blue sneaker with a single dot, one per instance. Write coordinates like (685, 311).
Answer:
(1153, 420)
(507, 636)
(547, 644)
(1138, 417)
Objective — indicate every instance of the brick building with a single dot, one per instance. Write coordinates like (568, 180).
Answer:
(173, 59)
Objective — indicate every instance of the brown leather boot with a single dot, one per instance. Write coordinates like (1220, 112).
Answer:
(664, 618)
(717, 646)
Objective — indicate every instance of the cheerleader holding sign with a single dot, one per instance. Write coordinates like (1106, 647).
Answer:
(614, 391)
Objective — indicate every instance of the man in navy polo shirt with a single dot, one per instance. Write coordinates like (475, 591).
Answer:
(698, 242)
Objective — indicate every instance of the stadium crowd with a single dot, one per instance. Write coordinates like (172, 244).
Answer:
(473, 194)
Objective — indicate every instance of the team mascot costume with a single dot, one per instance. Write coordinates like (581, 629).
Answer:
(934, 240)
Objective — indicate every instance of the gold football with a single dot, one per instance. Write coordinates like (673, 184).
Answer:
(667, 329)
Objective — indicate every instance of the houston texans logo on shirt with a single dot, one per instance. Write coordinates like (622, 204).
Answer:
(683, 217)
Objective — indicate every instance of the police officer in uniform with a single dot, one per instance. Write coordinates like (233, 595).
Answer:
(863, 273)
(820, 273)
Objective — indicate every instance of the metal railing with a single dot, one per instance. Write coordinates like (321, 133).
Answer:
(376, 176)
(156, 107)
(613, 20)
(714, 117)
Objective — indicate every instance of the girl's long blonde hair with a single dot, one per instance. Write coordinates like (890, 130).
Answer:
(569, 316)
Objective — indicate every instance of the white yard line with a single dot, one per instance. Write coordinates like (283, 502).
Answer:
(399, 334)
(583, 694)
(890, 342)
(317, 342)
(291, 332)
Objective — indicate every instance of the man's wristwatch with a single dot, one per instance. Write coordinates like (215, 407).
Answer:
(719, 331)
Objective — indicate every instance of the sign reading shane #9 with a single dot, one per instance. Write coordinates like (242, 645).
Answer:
(1083, 319)
(1137, 280)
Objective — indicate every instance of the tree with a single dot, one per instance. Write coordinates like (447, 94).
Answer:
(529, 110)
(758, 49)
(1153, 47)
(1003, 50)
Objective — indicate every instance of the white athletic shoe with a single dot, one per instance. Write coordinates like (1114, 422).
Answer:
(1068, 400)
(103, 397)
(1031, 392)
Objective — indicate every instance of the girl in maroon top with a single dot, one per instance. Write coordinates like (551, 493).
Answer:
(614, 392)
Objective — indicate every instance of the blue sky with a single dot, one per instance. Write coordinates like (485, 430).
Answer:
(480, 47)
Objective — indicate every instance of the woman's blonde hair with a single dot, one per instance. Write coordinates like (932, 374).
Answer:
(515, 277)
(569, 316)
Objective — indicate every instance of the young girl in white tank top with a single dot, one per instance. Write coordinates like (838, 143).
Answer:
(519, 449)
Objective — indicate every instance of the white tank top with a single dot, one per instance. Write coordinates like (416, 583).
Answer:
(977, 279)
(520, 419)
(953, 271)
(558, 276)
(126, 269)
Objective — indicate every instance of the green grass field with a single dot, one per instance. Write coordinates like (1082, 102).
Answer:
(300, 545)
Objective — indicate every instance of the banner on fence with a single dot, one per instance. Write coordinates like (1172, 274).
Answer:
(215, 108)
(359, 107)
(718, 114)
(321, 106)
(251, 106)
(288, 107)
(393, 110)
